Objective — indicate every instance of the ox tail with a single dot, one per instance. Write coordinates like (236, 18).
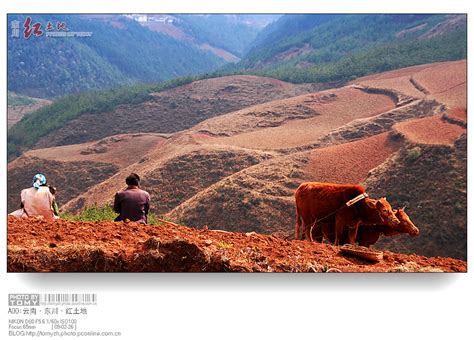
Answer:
(314, 227)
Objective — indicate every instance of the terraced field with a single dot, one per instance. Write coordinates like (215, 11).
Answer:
(228, 153)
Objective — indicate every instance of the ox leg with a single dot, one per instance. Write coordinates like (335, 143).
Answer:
(298, 225)
(353, 233)
(317, 234)
(303, 236)
(307, 232)
(364, 238)
(339, 228)
(303, 232)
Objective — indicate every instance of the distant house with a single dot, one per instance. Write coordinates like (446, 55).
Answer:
(163, 19)
(137, 17)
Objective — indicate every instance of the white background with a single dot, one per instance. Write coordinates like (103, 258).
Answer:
(241, 306)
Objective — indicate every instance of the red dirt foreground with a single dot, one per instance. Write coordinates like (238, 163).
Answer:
(36, 245)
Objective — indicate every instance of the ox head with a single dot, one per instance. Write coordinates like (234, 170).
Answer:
(405, 225)
(379, 212)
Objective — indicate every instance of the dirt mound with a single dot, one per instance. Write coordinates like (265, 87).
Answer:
(62, 246)
(176, 109)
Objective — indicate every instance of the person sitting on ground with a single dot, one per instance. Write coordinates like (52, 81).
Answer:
(132, 203)
(37, 200)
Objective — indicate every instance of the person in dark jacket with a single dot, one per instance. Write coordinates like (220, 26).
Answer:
(132, 203)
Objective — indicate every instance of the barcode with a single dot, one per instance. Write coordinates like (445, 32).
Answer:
(68, 299)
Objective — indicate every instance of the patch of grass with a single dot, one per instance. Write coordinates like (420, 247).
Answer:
(157, 220)
(106, 213)
(92, 214)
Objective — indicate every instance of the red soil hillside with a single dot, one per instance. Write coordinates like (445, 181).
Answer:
(88, 164)
(457, 115)
(431, 181)
(71, 178)
(295, 121)
(350, 162)
(176, 109)
(430, 130)
(159, 163)
(121, 150)
(180, 159)
(269, 186)
(40, 246)
(444, 82)
(241, 145)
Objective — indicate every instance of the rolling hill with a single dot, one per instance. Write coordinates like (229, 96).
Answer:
(234, 163)
(321, 48)
(175, 109)
(325, 49)
(119, 51)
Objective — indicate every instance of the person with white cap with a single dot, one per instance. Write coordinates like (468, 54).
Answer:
(37, 200)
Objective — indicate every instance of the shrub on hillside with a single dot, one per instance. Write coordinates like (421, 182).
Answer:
(413, 154)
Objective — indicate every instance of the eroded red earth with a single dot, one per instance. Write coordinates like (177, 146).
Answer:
(65, 246)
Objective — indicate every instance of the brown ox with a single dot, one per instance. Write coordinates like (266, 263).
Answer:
(368, 235)
(318, 203)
